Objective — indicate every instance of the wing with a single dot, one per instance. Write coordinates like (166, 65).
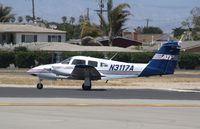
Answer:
(82, 71)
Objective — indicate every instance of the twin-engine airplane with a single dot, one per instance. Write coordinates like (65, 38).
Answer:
(88, 68)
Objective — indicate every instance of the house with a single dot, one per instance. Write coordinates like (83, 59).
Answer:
(26, 33)
(148, 38)
(191, 46)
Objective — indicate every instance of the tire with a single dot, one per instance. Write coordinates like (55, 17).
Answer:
(86, 87)
(39, 86)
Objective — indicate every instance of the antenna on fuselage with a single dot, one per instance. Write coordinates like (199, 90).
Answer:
(114, 56)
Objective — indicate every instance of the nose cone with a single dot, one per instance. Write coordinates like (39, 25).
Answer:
(33, 71)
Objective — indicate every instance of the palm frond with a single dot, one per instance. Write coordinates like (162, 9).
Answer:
(5, 13)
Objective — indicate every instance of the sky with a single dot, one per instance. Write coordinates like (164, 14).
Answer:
(166, 14)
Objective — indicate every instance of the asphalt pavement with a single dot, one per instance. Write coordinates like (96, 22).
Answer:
(99, 93)
(53, 108)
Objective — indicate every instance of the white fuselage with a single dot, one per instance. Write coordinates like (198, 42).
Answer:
(108, 69)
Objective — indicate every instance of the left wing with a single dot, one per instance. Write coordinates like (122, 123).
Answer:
(80, 72)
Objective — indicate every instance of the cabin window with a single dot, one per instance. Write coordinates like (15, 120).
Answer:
(104, 65)
(67, 61)
(92, 63)
(78, 62)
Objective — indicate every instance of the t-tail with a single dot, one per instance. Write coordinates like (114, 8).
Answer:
(164, 61)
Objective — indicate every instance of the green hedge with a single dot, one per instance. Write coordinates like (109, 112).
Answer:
(189, 61)
(6, 58)
(27, 59)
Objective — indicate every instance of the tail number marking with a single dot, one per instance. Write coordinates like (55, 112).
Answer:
(121, 68)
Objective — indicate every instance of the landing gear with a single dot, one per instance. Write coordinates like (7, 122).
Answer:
(84, 87)
(39, 86)
(87, 84)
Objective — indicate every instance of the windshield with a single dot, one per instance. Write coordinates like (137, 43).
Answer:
(66, 61)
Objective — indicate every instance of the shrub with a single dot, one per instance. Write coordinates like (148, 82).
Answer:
(25, 59)
(43, 58)
(6, 58)
(189, 61)
(16, 49)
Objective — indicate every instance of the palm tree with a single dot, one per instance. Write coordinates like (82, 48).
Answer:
(5, 13)
(117, 16)
(72, 20)
(64, 19)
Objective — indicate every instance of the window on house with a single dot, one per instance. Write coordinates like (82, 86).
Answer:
(54, 38)
(92, 63)
(29, 38)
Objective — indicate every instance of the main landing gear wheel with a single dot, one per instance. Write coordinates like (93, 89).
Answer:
(84, 87)
(39, 86)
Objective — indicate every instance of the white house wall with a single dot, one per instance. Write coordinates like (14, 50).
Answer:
(40, 37)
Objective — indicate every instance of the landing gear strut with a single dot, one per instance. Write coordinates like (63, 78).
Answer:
(87, 84)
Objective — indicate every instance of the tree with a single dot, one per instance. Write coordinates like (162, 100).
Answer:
(13, 19)
(64, 19)
(39, 19)
(117, 17)
(152, 30)
(138, 30)
(89, 30)
(178, 32)
(83, 18)
(28, 18)
(187, 24)
(20, 19)
(196, 17)
(5, 13)
(72, 20)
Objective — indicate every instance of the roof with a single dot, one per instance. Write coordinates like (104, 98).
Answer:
(62, 47)
(155, 37)
(185, 45)
(26, 28)
(120, 42)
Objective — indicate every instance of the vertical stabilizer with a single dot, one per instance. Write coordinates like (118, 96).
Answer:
(164, 61)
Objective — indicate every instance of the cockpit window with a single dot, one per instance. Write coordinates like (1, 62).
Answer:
(78, 62)
(67, 61)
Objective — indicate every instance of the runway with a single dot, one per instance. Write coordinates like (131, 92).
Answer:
(54, 108)
(99, 93)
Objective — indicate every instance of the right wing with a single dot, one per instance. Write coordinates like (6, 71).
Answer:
(82, 71)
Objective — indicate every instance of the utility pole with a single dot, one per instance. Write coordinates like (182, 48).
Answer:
(100, 11)
(33, 9)
(147, 20)
(88, 14)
